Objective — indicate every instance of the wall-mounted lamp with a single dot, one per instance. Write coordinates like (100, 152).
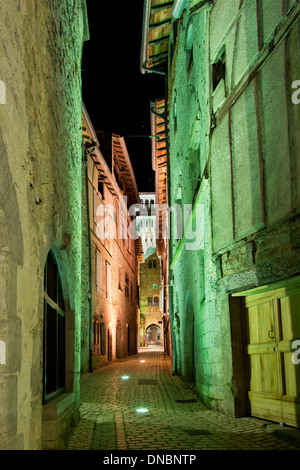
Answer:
(156, 286)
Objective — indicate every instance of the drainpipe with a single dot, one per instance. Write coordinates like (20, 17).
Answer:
(90, 261)
(146, 17)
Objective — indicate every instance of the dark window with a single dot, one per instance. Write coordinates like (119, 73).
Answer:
(156, 301)
(103, 339)
(154, 264)
(218, 71)
(101, 188)
(149, 300)
(149, 264)
(126, 285)
(54, 332)
(189, 48)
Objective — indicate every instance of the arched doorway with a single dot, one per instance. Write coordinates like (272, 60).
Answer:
(11, 257)
(153, 336)
(189, 346)
(54, 369)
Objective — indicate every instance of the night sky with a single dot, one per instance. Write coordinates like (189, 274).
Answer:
(116, 94)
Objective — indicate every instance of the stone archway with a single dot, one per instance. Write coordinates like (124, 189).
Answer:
(11, 255)
(153, 335)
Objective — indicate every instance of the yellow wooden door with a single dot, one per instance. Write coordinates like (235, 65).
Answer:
(273, 326)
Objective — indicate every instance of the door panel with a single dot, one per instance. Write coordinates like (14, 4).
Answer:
(272, 319)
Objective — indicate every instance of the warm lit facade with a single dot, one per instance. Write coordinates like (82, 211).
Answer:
(151, 306)
(151, 315)
(111, 324)
(234, 154)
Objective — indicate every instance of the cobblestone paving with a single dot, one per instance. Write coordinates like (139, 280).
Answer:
(176, 420)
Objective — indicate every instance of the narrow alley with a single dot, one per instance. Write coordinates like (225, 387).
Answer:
(149, 228)
(173, 419)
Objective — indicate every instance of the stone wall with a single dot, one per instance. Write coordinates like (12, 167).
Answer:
(40, 202)
(234, 135)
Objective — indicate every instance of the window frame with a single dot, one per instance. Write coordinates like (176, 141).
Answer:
(55, 339)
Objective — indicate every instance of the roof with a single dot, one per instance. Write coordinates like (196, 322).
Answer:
(120, 154)
(156, 33)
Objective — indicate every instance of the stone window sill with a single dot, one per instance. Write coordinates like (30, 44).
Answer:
(56, 407)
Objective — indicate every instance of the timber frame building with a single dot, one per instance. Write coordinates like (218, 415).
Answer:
(231, 68)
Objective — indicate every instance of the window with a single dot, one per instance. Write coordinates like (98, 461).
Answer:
(54, 332)
(103, 339)
(156, 301)
(96, 205)
(126, 285)
(101, 188)
(96, 337)
(189, 49)
(98, 271)
(149, 264)
(108, 280)
(149, 300)
(218, 71)
(154, 264)
(99, 338)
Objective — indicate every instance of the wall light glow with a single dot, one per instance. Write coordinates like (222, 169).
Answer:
(125, 377)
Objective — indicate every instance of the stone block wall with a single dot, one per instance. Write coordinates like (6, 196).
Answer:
(40, 199)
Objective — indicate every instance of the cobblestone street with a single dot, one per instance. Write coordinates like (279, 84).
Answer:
(176, 419)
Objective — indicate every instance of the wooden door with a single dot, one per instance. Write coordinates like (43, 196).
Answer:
(273, 326)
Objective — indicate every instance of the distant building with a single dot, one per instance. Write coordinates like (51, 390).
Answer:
(151, 324)
(115, 251)
(146, 223)
(151, 305)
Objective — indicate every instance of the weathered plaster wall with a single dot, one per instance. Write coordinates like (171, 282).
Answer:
(248, 131)
(41, 155)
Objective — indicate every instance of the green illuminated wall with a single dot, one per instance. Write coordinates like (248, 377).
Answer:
(234, 135)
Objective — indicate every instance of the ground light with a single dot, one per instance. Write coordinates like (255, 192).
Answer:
(142, 410)
(142, 361)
